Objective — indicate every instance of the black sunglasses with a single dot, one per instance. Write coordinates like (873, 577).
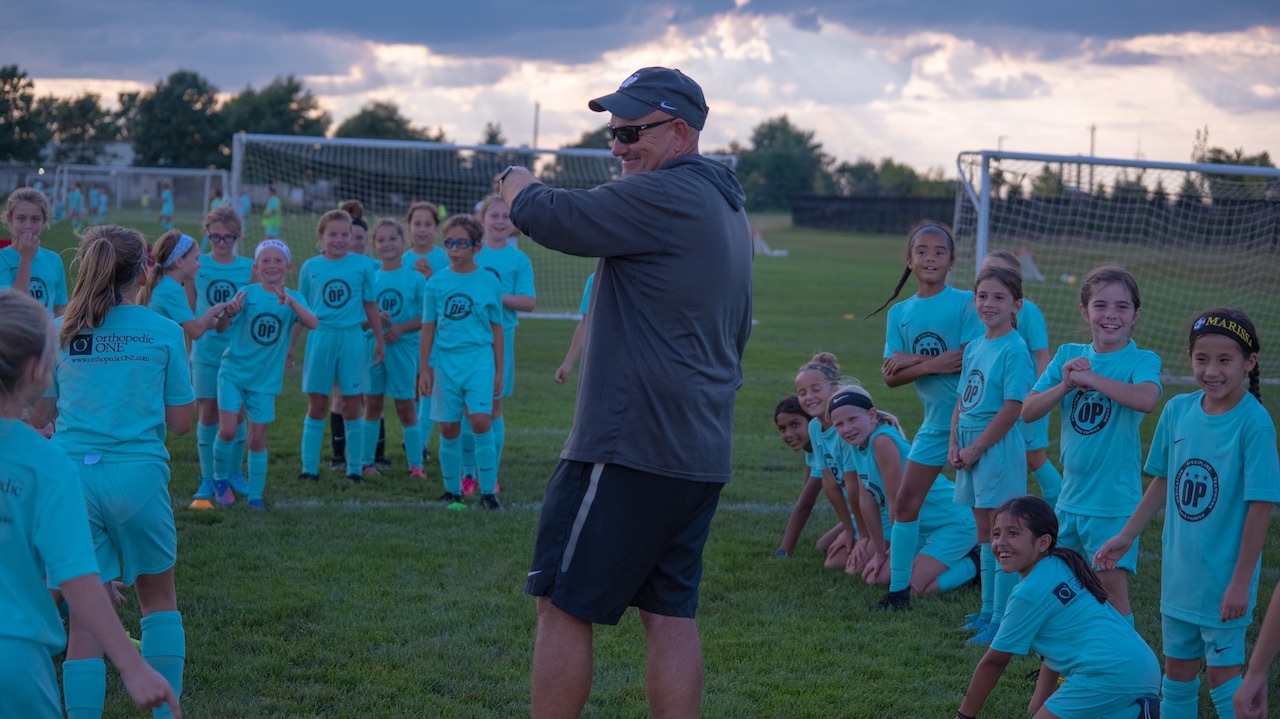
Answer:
(630, 134)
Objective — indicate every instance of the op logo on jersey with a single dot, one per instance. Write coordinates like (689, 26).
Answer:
(457, 306)
(974, 383)
(1090, 412)
(335, 294)
(390, 301)
(220, 291)
(266, 329)
(39, 291)
(928, 343)
(1195, 489)
(1064, 593)
(877, 493)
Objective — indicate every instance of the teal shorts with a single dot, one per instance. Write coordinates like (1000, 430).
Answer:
(1087, 535)
(999, 475)
(204, 377)
(930, 446)
(260, 407)
(1220, 646)
(465, 380)
(336, 354)
(28, 681)
(1035, 434)
(130, 518)
(508, 361)
(949, 543)
(397, 376)
(1072, 700)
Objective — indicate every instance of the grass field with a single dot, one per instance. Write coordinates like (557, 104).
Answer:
(345, 601)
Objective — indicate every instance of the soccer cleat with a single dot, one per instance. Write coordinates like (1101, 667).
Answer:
(337, 463)
(895, 601)
(200, 504)
(417, 473)
(239, 483)
(305, 476)
(355, 478)
(984, 637)
(223, 494)
(257, 504)
(371, 471)
(449, 498)
(974, 623)
(490, 502)
(469, 485)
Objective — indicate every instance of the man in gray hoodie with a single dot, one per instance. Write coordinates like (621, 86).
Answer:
(626, 513)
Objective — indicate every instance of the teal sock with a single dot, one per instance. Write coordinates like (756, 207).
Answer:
(486, 462)
(312, 438)
(1181, 700)
(903, 539)
(257, 474)
(468, 444)
(1050, 481)
(1005, 582)
(1128, 618)
(989, 569)
(371, 427)
(424, 420)
(956, 575)
(354, 429)
(451, 464)
(164, 647)
(237, 449)
(221, 461)
(499, 429)
(413, 445)
(84, 687)
(205, 434)
(1221, 696)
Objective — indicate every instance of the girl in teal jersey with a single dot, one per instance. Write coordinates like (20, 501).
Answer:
(579, 335)
(924, 339)
(1214, 468)
(793, 425)
(426, 258)
(166, 205)
(122, 381)
(859, 549)
(177, 260)
(25, 265)
(46, 538)
(1059, 611)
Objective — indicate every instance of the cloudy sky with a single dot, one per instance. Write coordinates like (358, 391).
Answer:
(918, 81)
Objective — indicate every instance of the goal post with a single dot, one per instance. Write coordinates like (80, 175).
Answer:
(314, 174)
(126, 186)
(1195, 236)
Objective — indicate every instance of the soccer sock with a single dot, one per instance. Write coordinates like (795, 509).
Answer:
(989, 569)
(413, 445)
(1005, 582)
(312, 437)
(164, 647)
(903, 539)
(205, 433)
(468, 447)
(1221, 696)
(451, 464)
(337, 435)
(499, 429)
(1050, 481)
(1181, 699)
(237, 449)
(380, 449)
(221, 464)
(84, 687)
(955, 575)
(486, 462)
(354, 429)
(370, 441)
(257, 473)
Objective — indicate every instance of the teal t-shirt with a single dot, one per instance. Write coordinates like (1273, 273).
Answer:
(166, 203)
(514, 272)
(169, 300)
(258, 340)
(336, 290)
(437, 258)
(1051, 614)
(1032, 326)
(1101, 445)
(463, 308)
(931, 326)
(113, 383)
(75, 201)
(215, 283)
(829, 452)
(939, 508)
(400, 293)
(44, 534)
(586, 295)
(48, 276)
(1215, 465)
(995, 371)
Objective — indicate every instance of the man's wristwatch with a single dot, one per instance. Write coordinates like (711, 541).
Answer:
(504, 174)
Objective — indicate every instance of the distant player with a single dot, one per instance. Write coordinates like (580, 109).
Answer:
(166, 205)
(271, 215)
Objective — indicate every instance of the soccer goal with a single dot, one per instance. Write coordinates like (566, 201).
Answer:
(134, 192)
(312, 175)
(1194, 235)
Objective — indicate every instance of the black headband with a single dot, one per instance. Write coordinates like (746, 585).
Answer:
(1227, 327)
(825, 370)
(849, 399)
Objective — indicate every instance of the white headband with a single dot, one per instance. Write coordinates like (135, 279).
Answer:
(268, 244)
(185, 243)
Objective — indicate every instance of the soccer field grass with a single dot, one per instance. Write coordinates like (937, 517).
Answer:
(344, 601)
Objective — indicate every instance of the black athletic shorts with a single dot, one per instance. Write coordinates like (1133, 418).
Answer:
(611, 537)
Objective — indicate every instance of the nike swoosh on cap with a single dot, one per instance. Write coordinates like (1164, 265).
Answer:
(665, 106)
(536, 571)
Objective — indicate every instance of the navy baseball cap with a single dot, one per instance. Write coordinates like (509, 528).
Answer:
(656, 88)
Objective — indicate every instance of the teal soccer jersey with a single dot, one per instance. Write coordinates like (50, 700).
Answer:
(166, 203)
(44, 534)
(48, 276)
(931, 326)
(995, 371)
(586, 295)
(215, 283)
(463, 307)
(258, 340)
(1101, 447)
(829, 452)
(169, 300)
(514, 272)
(335, 290)
(437, 258)
(400, 293)
(939, 509)
(114, 381)
(1032, 327)
(1215, 465)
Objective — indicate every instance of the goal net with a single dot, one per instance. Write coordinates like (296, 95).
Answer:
(1195, 236)
(312, 175)
(134, 193)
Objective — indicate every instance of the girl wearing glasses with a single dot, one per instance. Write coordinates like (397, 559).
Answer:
(460, 359)
(222, 273)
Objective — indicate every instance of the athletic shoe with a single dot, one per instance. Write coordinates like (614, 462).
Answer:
(490, 502)
(984, 637)
(974, 623)
(223, 494)
(337, 463)
(305, 476)
(381, 462)
(200, 504)
(371, 471)
(355, 478)
(257, 504)
(239, 483)
(469, 485)
(895, 601)
(417, 473)
(449, 498)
